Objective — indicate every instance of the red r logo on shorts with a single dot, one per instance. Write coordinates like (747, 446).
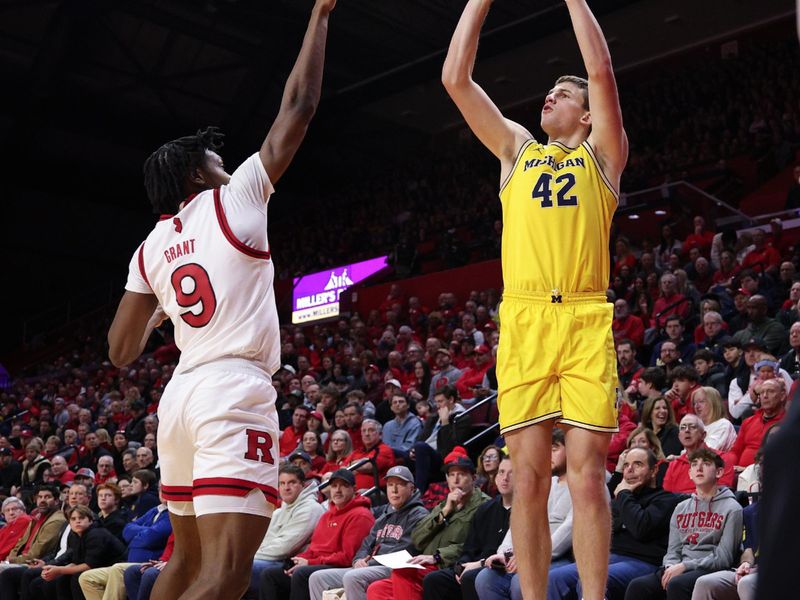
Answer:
(259, 446)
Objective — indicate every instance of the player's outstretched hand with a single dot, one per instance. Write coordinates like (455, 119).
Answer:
(326, 5)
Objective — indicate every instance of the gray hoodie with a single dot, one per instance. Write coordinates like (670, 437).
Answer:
(291, 526)
(705, 534)
(392, 530)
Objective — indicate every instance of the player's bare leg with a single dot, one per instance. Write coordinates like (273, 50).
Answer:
(228, 541)
(591, 519)
(184, 564)
(530, 456)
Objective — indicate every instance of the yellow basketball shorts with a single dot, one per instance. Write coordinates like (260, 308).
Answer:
(556, 360)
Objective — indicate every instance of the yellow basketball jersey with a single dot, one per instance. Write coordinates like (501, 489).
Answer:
(557, 211)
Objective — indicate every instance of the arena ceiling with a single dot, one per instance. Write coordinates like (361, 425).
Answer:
(99, 82)
(91, 87)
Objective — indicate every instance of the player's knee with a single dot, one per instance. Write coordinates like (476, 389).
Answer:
(588, 486)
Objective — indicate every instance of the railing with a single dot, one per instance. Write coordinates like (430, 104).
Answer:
(356, 465)
(475, 406)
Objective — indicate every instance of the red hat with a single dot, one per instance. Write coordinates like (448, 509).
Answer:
(458, 458)
(373, 368)
(482, 349)
(316, 414)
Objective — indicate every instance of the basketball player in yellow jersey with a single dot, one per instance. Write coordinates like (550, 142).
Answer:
(556, 361)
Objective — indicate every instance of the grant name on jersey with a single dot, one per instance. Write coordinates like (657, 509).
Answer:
(179, 249)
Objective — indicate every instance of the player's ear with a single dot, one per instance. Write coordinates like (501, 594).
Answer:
(586, 119)
(197, 177)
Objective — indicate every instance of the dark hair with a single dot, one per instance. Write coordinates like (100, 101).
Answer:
(704, 354)
(48, 488)
(684, 372)
(82, 510)
(654, 376)
(291, 469)
(582, 83)
(332, 391)
(707, 454)
(146, 477)
(627, 342)
(359, 408)
(448, 391)
(559, 437)
(673, 318)
(166, 170)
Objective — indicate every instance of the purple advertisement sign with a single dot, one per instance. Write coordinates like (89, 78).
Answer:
(316, 296)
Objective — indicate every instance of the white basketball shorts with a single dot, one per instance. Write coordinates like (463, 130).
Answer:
(218, 440)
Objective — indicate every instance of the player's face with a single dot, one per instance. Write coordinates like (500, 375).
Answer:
(564, 109)
(213, 170)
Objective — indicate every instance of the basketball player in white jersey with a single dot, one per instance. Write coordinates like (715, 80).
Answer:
(206, 265)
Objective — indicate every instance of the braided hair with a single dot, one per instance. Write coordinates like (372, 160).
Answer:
(166, 170)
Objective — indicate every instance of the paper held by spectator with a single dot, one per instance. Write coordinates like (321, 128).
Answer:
(397, 560)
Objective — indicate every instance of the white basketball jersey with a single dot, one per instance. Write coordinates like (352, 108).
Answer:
(210, 268)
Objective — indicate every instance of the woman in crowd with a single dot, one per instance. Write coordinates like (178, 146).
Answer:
(312, 443)
(118, 447)
(720, 432)
(339, 421)
(34, 465)
(422, 378)
(340, 447)
(668, 246)
(316, 423)
(52, 446)
(488, 463)
(657, 415)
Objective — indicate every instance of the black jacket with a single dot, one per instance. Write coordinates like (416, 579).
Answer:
(487, 530)
(115, 523)
(97, 547)
(455, 433)
(640, 523)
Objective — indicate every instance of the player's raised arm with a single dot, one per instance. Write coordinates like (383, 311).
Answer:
(501, 136)
(608, 136)
(300, 96)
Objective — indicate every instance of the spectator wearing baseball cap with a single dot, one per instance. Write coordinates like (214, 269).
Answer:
(472, 378)
(441, 535)
(390, 533)
(741, 392)
(334, 543)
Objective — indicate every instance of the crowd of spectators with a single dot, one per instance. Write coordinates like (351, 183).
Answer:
(375, 416)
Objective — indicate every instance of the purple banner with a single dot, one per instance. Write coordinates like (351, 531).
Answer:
(316, 296)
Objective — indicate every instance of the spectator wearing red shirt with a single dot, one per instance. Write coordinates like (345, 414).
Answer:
(472, 377)
(748, 441)
(701, 238)
(623, 257)
(691, 433)
(374, 449)
(16, 524)
(685, 382)
(354, 416)
(625, 325)
(728, 269)
(762, 257)
(669, 301)
(293, 434)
